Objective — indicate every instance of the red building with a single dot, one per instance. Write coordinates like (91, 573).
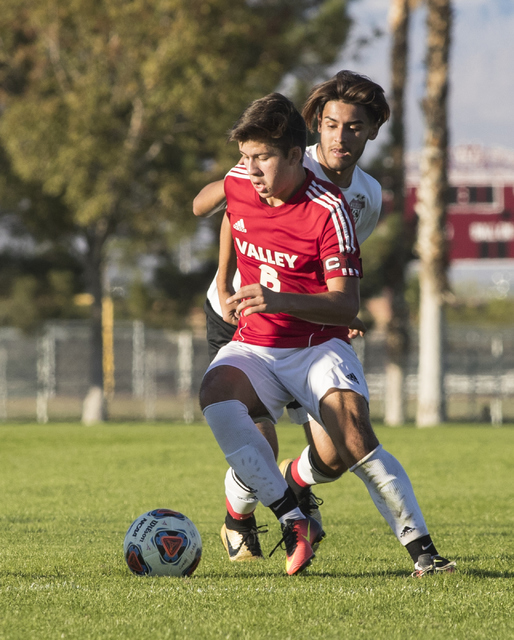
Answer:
(480, 214)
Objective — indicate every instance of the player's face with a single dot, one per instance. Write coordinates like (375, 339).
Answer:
(344, 131)
(273, 175)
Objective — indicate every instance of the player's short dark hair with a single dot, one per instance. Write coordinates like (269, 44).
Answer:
(274, 120)
(350, 87)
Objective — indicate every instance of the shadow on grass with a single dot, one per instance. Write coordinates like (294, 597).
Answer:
(479, 573)
(476, 573)
(310, 573)
(394, 573)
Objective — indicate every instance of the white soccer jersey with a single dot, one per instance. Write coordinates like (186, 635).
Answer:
(364, 197)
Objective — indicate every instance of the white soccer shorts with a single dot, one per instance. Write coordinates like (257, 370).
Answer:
(282, 375)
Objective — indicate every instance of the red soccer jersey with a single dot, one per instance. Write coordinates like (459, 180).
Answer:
(294, 248)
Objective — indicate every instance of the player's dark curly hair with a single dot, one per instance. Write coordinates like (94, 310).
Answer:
(347, 86)
(274, 120)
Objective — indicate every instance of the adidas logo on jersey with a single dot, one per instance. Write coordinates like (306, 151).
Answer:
(240, 226)
(352, 377)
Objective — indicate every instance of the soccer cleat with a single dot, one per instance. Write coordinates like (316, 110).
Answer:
(427, 565)
(309, 503)
(243, 545)
(299, 537)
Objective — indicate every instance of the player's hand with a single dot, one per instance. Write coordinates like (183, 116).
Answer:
(356, 328)
(228, 311)
(254, 298)
(230, 316)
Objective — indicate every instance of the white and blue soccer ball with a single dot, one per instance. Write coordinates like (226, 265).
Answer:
(162, 542)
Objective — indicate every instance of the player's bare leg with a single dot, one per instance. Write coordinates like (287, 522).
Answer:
(323, 452)
(268, 430)
(346, 417)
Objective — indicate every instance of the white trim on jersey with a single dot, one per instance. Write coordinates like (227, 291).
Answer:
(239, 171)
(340, 217)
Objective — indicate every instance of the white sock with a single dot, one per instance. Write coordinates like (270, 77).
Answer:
(246, 449)
(241, 499)
(308, 472)
(393, 495)
(295, 514)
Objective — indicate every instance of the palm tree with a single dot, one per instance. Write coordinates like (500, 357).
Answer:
(397, 336)
(431, 210)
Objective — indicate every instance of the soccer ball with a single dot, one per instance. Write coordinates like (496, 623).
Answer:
(162, 543)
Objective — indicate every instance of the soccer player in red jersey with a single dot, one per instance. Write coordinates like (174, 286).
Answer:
(298, 257)
(348, 110)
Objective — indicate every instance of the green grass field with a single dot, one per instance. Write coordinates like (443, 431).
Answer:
(68, 494)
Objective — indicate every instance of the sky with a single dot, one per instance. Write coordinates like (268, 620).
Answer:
(481, 101)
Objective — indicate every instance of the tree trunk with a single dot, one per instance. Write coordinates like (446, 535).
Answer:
(397, 336)
(94, 409)
(431, 210)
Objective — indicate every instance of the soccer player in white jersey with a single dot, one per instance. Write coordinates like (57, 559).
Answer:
(298, 257)
(348, 110)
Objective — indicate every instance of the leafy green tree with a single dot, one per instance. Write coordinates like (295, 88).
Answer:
(118, 108)
(38, 285)
(36, 232)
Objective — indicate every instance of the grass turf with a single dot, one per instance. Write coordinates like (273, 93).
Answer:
(68, 494)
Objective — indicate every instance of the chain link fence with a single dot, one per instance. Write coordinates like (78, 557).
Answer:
(157, 374)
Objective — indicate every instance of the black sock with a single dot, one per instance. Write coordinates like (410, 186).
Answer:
(286, 503)
(420, 547)
(240, 525)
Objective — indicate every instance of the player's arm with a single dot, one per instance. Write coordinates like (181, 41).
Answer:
(337, 306)
(210, 200)
(227, 265)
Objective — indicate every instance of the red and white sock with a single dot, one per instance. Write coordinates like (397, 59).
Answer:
(304, 472)
(241, 501)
